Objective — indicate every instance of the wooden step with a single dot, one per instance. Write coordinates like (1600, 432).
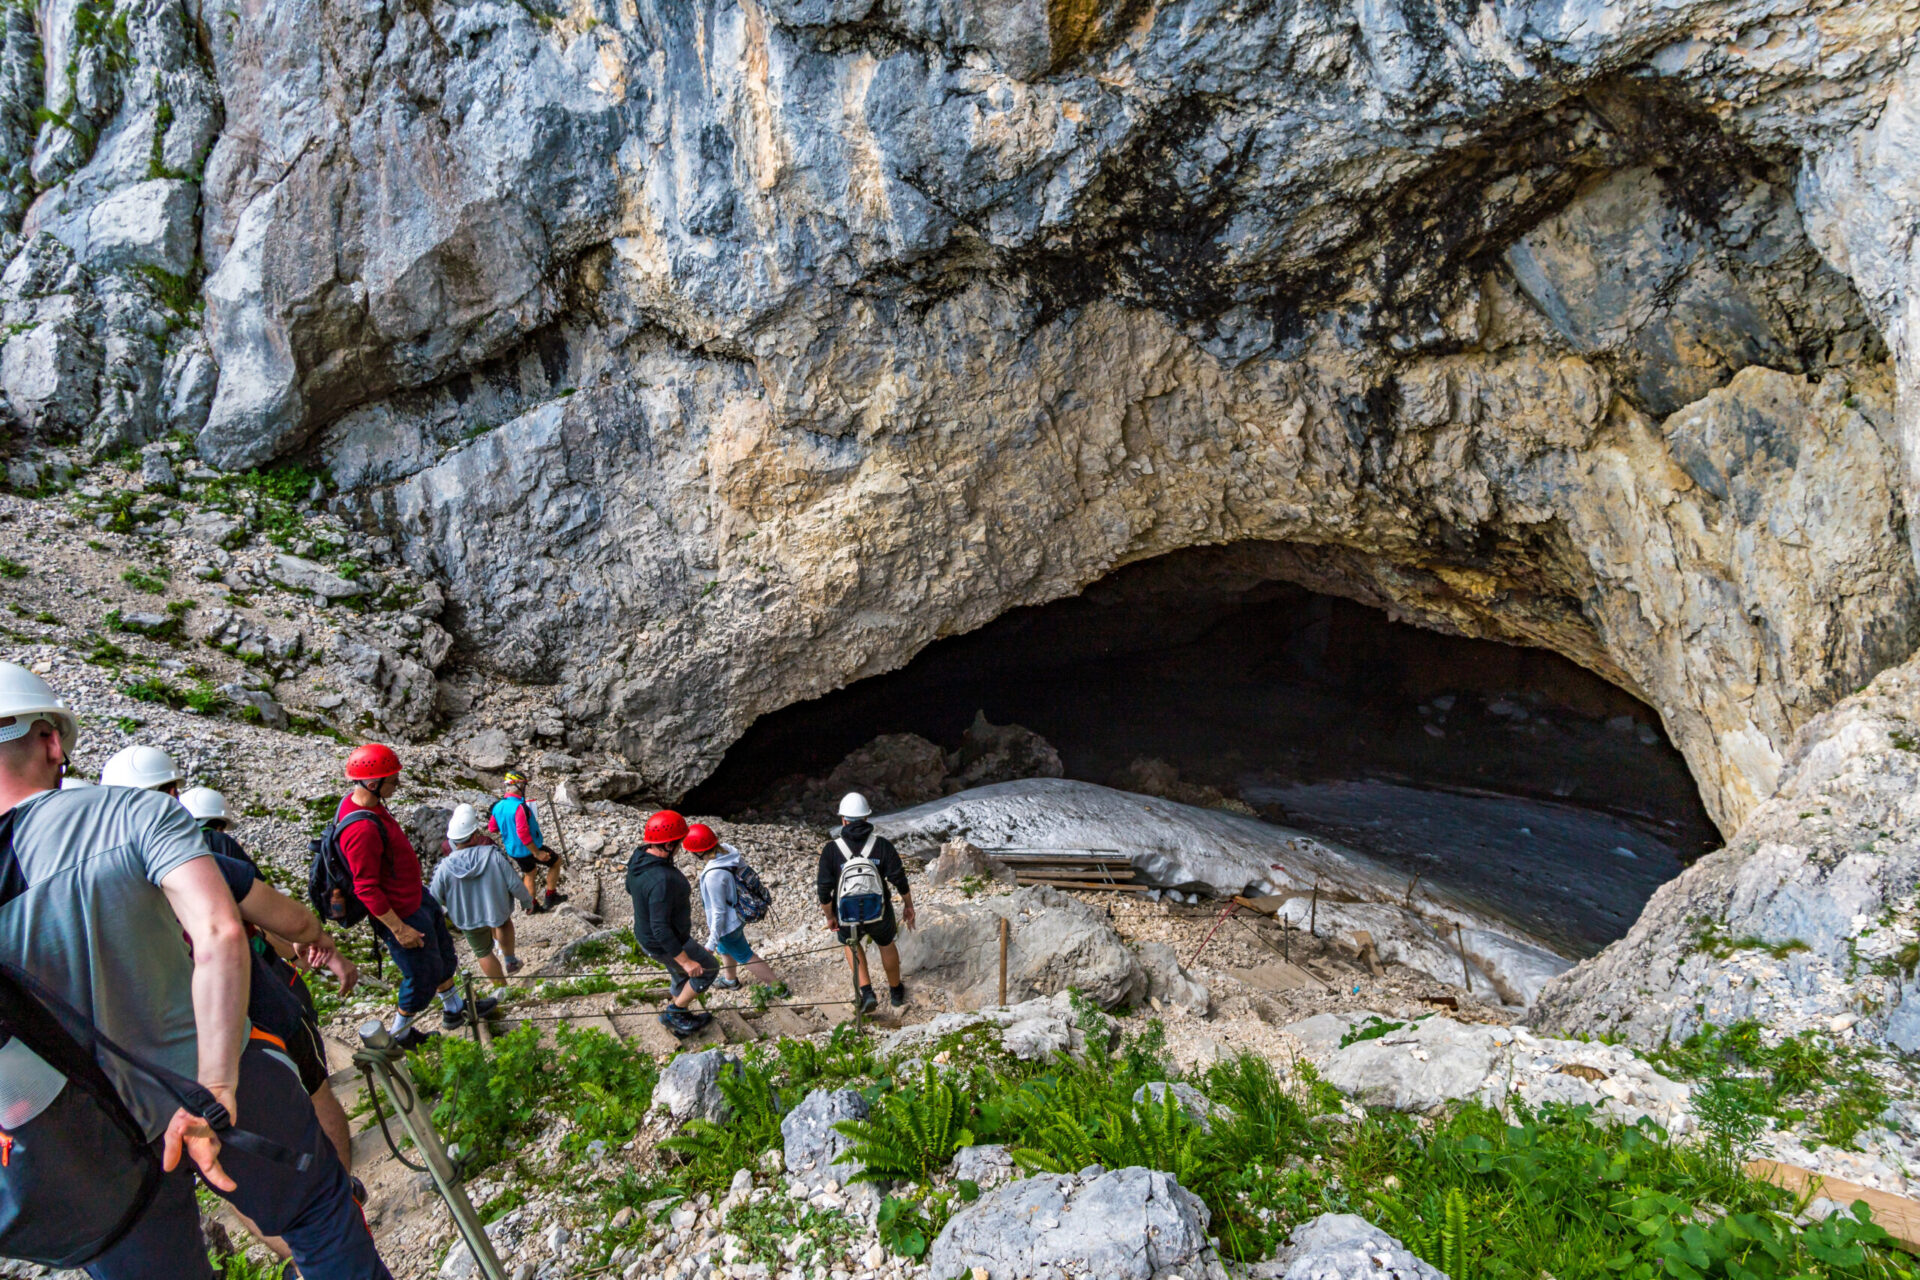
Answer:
(644, 1032)
(1897, 1215)
(1106, 885)
(735, 1028)
(790, 1023)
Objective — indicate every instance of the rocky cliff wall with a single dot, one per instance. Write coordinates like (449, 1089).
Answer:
(714, 355)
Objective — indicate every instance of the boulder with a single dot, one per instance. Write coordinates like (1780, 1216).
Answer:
(1345, 1246)
(148, 224)
(1320, 1035)
(489, 750)
(1175, 990)
(892, 771)
(1001, 753)
(1056, 942)
(1128, 1224)
(814, 1152)
(156, 473)
(986, 1165)
(960, 861)
(297, 574)
(49, 374)
(1196, 1104)
(1423, 1064)
(689, 1088)
(1031, 1031)
(214, 529)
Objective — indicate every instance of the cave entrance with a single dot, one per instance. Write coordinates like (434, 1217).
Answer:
(1509, 772)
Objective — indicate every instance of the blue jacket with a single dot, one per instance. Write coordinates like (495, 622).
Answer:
(504, 814)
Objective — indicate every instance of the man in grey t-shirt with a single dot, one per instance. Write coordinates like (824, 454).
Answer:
(113, 878)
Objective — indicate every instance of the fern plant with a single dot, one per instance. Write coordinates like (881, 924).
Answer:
(912, 1133)
(1158, 1135)
(709, 1152)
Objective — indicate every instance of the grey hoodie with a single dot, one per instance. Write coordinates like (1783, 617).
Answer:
(476, 884)
(718, 893)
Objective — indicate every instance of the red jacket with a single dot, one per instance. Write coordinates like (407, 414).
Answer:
(386, 878)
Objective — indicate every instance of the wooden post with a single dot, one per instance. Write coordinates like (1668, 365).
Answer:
(1286, 939)
(1466, 970)
(1313, 919)
(1003, 961)
(1408, 903)
(482, 1034)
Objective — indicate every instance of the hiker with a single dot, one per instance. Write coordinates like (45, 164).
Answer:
(100, 883)
(663, 921)
(477, 887)
(731, 892)
(142, 768)
(514, 821)
(278, 929)
(857, 852)
(387, 881)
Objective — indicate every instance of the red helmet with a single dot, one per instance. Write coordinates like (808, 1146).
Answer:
(372, 762)
(665, 827)
(700, 838)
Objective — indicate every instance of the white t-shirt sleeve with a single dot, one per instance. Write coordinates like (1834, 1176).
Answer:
(169, 834)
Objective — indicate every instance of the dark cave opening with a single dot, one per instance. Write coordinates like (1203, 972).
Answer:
(1432, 751)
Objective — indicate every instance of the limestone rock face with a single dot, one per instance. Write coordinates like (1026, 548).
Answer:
(713, 355)
(1806, 920)
(1055, 942)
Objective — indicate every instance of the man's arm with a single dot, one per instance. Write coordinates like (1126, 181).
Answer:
(204, 905)
(895, 872)
(364, 847)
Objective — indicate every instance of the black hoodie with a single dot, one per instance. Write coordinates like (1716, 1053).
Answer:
(662, 904)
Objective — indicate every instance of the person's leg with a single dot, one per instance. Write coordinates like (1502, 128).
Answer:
(312, 1209)
(857, 961)
(414, 994)
(762, 972)
(166, 1243)
(553, 873)
(481, 941)
(504, 936)
(334, 1123)
(890, 961)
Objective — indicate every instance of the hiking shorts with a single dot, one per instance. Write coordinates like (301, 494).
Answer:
(677, 977)
(734, 946)
(481, 940)
(425, 967)
(881, 931)
(313, 1210)
(532, 863)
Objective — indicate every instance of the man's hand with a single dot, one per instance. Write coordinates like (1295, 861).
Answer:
(693, 967)
(325, 955)
(832, 925)
(190, 1133)
(409, 937)
(906, 912)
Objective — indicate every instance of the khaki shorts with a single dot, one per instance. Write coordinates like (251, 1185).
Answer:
(481, 940)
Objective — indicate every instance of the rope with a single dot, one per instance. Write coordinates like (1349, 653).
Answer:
(373, 1096)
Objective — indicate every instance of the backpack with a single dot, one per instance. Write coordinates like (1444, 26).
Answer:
(860, 897)
(750, 898)
(330, 879)
(78, 1174)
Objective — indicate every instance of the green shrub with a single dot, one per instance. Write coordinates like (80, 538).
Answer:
(12, 568)
(911, 1133)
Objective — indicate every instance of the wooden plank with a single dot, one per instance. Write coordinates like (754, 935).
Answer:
(1897, 1215)
(644, 1032)
(1278, 975)
(785, 1022)
(1087, 884)
(735, 1028)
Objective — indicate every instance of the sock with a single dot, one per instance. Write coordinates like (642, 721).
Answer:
(400, 1023)
(452, 1000)
(507, 957)
(866, 989)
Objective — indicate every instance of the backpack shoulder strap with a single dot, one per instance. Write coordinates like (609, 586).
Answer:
(340, 829)
(846, 850)
(866, 850)
(13, 881)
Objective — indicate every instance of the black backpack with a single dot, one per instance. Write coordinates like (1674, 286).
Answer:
(750, 898)
(77, 1176)
(330, 880)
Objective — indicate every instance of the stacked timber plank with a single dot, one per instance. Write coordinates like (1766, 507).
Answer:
(1107, 869)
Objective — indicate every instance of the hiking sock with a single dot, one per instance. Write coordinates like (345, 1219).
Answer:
(898, 993)
(401, 1021)
(452, 1000)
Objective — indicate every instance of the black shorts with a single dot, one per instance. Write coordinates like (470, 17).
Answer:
(531, 863)
(881, 931)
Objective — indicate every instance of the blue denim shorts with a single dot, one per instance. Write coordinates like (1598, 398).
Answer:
(734, 946)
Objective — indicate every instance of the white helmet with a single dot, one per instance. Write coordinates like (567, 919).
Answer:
(145, 768)
(25, 698)
(71, 783)
(464, 822)
(205, 803)
(854, 805)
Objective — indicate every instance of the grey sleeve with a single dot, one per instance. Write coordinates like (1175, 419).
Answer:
(169, 836)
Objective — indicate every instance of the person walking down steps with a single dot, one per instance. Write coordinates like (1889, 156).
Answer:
(518, 827)
(733, 898)
(855, 866)
(477, 887)
(663, 921)
(388, 883)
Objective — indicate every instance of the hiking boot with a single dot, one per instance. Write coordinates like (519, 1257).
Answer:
(683, 1022)
(453, 1018)
(868, 1001)
(555, 898)
(724, 983)
(897, 994)
(486, 1006)
(514, 964)
(413, 1038)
